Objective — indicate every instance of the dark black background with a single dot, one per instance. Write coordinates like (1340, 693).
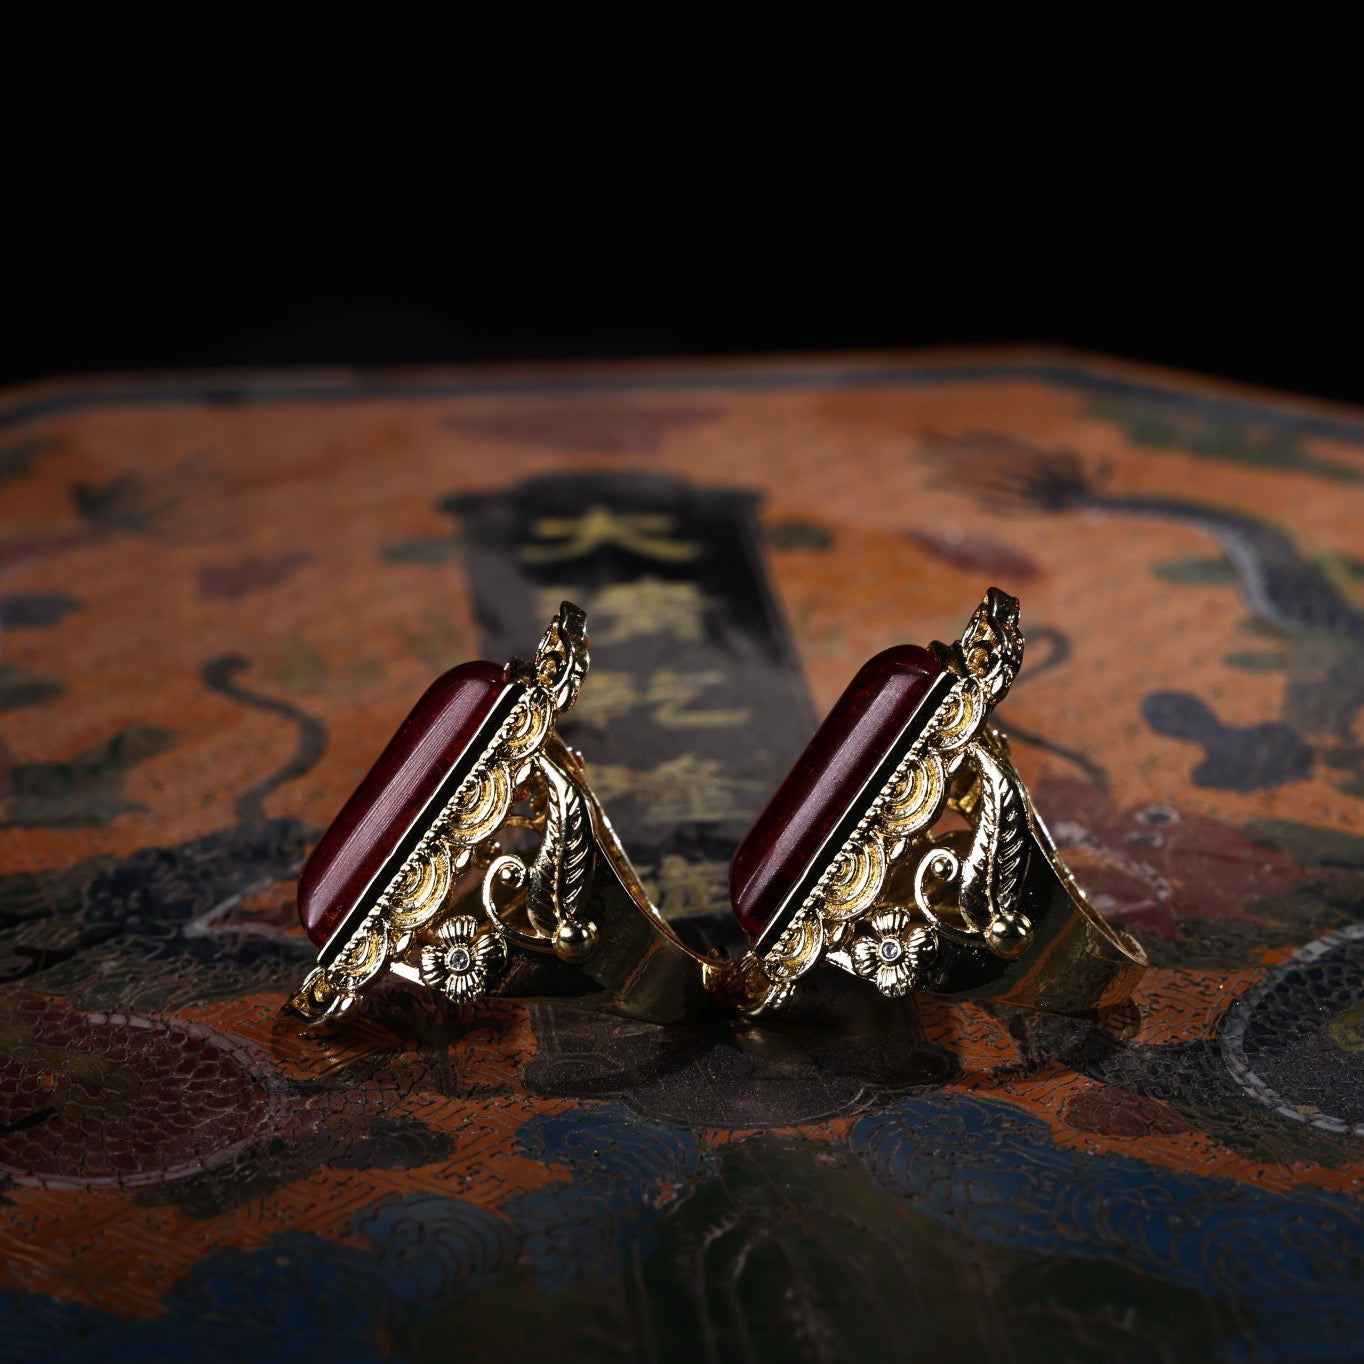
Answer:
(1180, 192)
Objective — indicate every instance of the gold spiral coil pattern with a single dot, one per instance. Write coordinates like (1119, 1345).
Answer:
(420, 888)
(482, 804)
(798, 948)
(363, 957)
(529, 725)
(914, 797)
(855, 879)
(960, 716)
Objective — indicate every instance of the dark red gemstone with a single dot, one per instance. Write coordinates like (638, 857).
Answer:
(844, 754)
(408, 772)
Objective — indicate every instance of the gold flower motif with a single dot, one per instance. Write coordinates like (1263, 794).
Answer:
(463, 960)
(891, 952)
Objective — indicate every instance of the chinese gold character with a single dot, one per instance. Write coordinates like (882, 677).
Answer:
(611, 781)
(680, 887)
(607, 696)
(643, 533)
(670, 692)
(692, 788)
(649, 606)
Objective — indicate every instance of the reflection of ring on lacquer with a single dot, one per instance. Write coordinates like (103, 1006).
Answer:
(474, 856)
(844, 863)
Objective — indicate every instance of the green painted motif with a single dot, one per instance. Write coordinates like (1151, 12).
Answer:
(83, 790)
(1308, 843)
(18, 459)
(798, 535)
(439, 640)
(1193, 568)
(50, 894)
(1233, 442)
(20, 686)
(300, 666)
(433, 550)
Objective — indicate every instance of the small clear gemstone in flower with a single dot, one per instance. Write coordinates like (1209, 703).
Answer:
(891, 950)
(459, 959)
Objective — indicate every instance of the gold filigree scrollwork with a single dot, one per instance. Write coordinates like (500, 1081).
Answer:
(760, 983)
(941, 866)
(855, 879)
(320, 1001)
(506, 872)
(561, 868)
(981, 885)
(365, 954)
(464, 959)
(881, 940)
(915, 796)
(992, 643)
(411, 904)
(421, 887)
(748, 987)
(330, 992)
(562, 658)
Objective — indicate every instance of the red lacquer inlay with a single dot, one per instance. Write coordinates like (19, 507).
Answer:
(844, 754)
(404, 778)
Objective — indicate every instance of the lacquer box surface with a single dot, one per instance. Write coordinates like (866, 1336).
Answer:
(219, 595)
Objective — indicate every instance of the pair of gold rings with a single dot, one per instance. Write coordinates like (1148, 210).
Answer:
(902, 848)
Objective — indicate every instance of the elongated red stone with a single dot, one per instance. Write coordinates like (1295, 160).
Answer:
(844, 754)
(404, 777)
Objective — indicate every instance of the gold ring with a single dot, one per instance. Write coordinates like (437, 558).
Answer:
(475, 858)
(845, 865)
